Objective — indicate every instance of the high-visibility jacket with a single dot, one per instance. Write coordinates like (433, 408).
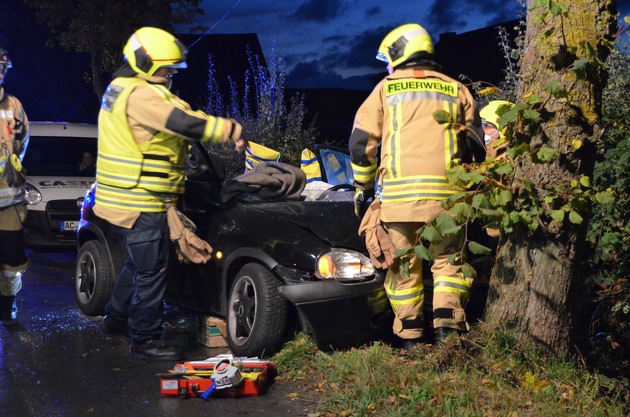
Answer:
(310, 165)
(14, 137)
(143, 129)
(416, 150)
(257, 154)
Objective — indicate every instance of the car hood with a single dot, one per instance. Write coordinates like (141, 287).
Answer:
(59, 188)
(331, 221)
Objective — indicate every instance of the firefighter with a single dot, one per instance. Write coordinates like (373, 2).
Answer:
(490, 115)
(142, 145)
(14, 134)
(416, 152)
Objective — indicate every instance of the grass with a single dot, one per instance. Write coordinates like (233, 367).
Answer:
(485, 373)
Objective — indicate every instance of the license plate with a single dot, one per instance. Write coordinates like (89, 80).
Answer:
(69, 226)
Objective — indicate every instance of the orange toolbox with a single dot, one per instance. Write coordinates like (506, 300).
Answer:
(193, 379)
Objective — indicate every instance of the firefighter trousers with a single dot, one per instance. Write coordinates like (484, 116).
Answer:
(13, 259)
(138, 297)
(406, 292)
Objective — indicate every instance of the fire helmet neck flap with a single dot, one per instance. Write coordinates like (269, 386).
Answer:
(403, 42)
(150, 48)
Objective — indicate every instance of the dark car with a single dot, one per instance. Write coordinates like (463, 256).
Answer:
(276, 266)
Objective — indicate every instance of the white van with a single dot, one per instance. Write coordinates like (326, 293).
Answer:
(56, 185)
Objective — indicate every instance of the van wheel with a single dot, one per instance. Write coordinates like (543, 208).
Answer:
(257, 313)
(93, 278)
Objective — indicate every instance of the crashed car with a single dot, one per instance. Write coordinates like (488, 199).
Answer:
(277, 265)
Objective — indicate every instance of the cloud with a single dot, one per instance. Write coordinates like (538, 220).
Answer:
(310, 75)
(446, 15)
(373, 12)
(319, 10)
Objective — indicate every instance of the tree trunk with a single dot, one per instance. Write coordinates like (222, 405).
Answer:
(535, 286)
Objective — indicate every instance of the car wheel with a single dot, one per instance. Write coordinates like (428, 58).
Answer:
(257, 313)
(93, 278)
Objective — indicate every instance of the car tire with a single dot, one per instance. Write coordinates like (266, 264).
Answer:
(257, 313)
(93, 278)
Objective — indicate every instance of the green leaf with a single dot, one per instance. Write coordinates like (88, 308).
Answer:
(558, 216)
(404, 267)
(550, 198)
(480, 201)
(478, 249)
(469, 271)
(545, 154)
(442, 117)
(444, 221)
(491, 213)
(554, 88)
(531, 115)
(423, 253)
(402, 252)
(432, 234)
(520, 149)
(579, 65)
(575, 218)
(558, 8)
(461, 210)
(585, 181)
(605, 197)
(589, 51)
(626, 19)
(452, 231)
(505, 197)
(453, 259)
(455, 174)
(533, 99)
(509, 117)
(504, 169)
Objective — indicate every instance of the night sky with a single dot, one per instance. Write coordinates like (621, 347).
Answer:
(325, 43)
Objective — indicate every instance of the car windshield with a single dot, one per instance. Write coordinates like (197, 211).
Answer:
(337, 167)
(58, 156)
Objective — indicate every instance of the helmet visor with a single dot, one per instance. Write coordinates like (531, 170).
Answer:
(382, 57)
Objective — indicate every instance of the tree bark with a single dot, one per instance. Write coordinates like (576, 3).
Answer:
(535, 285)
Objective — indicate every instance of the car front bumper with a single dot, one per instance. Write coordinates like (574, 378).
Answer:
(340, 315)
(42, 229)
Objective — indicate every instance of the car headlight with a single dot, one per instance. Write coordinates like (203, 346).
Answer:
(344, 265)
(32, 196)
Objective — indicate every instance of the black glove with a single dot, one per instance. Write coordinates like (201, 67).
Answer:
(362, 200)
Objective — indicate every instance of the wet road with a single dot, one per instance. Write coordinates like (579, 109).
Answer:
(54, 361)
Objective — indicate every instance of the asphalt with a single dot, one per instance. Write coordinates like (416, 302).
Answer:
(55, 362)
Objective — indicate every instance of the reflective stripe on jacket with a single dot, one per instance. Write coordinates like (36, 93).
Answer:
(416, 150)
(14, 138)
(156, 165)
(310, 165)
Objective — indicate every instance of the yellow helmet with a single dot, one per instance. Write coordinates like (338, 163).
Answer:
(403, 42)
(151, 48)
(490, 112)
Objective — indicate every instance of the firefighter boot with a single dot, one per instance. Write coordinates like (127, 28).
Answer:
(410, 344)
(442, 333)
(112, 327)
(8, 309)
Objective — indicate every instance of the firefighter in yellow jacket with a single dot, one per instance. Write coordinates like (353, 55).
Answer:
(415, 153)
(142, 146)
(14, 135)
